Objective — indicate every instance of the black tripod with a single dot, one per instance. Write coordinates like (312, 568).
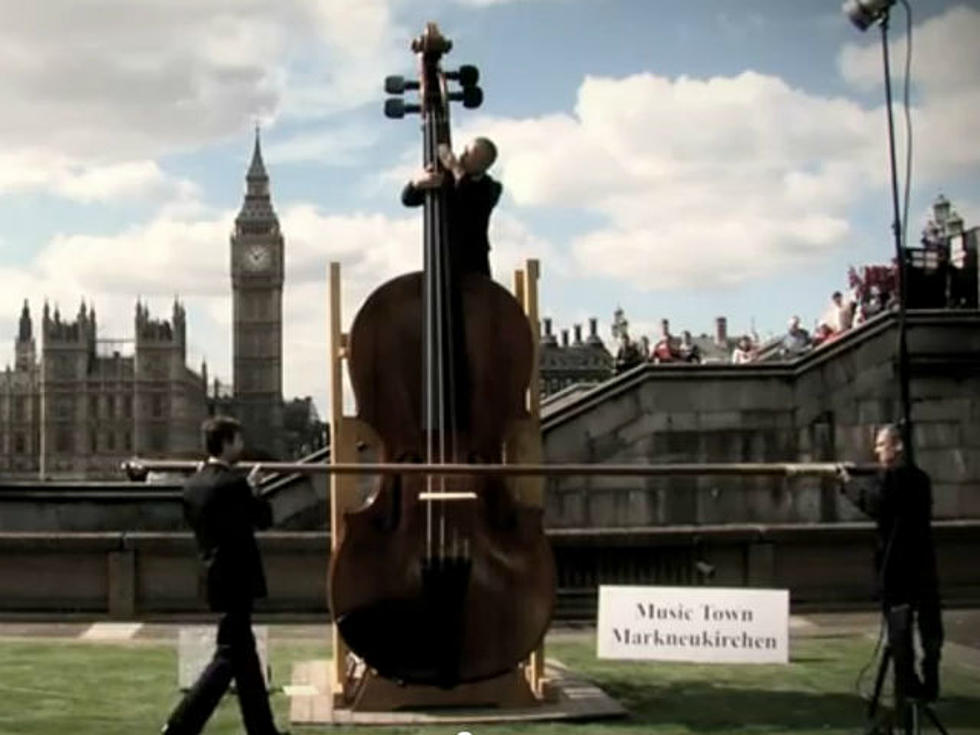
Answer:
(910, 709)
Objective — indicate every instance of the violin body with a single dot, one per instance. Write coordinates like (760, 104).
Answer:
(386, 613)
(441, 580)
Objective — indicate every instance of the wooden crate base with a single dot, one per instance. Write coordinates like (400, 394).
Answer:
(567, 697)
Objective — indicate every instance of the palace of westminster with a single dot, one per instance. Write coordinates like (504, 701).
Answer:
(74, 406)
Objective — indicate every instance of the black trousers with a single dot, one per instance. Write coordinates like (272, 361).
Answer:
(235, 657)
(926, 616)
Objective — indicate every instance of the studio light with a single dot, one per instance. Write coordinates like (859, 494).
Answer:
(865, 13)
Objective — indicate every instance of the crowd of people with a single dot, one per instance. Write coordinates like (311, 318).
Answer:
(872, 292)
(866, 300)
(667, 349)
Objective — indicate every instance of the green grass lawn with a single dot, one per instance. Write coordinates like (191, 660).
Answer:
(83, 688)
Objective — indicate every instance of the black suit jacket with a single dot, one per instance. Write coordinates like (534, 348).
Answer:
(470, 202)
(220, 507)
(900, 500)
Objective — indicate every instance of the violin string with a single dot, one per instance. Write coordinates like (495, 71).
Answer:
(430, 419)
(442, 393)
(440, 307)
(449, 306)
(453, 301)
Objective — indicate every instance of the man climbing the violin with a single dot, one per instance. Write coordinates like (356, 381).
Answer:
(471, 195)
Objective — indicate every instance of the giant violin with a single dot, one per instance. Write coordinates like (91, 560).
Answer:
(441, 579)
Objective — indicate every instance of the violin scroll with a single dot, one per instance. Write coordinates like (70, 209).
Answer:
(430, 46)
(432, 41)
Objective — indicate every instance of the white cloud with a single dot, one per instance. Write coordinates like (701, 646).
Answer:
(512, 243)
(701, 182)
(35, 169)
(340, 146)
(136, 79)
(94, 92)
(945, 59)
(710, 182)
(358, 44)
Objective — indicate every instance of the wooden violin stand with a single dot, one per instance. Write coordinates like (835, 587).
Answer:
(335, 691)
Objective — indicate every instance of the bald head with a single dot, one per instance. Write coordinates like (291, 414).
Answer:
(478, 156)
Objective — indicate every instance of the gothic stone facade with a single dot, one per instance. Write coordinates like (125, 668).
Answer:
(582, 361)
(257, 275)
(77, 413)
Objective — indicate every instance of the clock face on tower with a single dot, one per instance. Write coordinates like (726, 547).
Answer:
(257, 258)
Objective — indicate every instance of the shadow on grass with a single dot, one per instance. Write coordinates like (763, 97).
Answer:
(702, 706)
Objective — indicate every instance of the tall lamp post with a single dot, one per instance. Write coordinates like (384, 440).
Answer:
(864, 14)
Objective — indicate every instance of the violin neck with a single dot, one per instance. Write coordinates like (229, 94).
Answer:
(443, 329)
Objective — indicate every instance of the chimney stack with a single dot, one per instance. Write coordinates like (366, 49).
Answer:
(665, 326)
(721, 331)
(564, 338)
(548, 338)
(594, 332)
(578, 335)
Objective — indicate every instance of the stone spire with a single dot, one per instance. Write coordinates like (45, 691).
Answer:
(25, 332)
(256, 171)
(257, 206)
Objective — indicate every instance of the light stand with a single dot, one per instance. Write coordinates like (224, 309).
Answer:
(864, 13)
(910, 710)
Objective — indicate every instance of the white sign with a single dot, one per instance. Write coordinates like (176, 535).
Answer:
(700, 624)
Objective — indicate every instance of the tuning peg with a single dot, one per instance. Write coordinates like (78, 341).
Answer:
(396, 108)
(398, 84)
(467, 75)
(471, 97)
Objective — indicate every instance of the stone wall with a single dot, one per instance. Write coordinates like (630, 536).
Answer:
(152, 576)
(57, 507)
(825, 406)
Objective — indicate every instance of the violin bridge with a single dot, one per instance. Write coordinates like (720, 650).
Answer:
(447, 497)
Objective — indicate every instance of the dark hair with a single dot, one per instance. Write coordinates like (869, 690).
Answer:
(836, 294)
(217, 431)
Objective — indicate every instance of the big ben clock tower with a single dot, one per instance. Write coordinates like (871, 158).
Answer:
(256, 281)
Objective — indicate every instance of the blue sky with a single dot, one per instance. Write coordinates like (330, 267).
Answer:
(683, 160)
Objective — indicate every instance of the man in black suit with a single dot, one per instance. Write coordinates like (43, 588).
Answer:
(471, 195)
(899, 498)
(220, 506)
